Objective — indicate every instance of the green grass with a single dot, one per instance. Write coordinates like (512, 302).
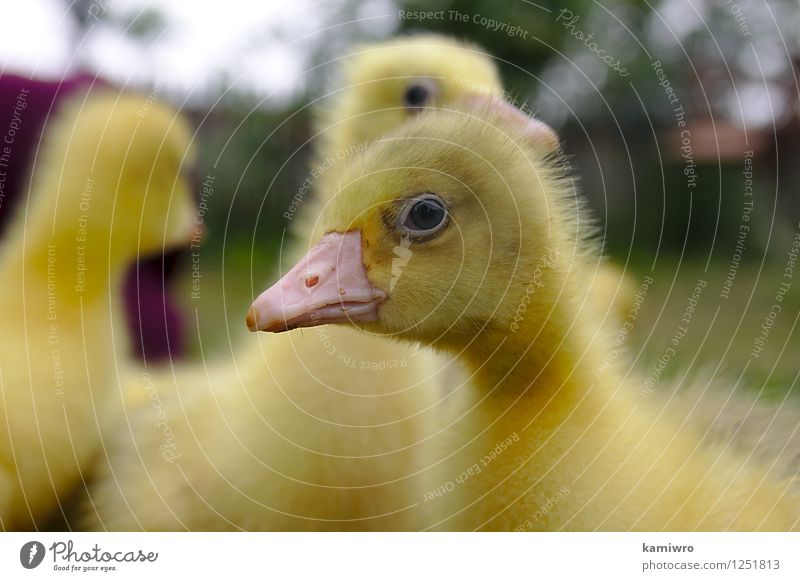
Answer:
(215, 305)
(721, 332)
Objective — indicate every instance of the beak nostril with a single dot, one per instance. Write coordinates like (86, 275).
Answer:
(326, 286)
(252, 319)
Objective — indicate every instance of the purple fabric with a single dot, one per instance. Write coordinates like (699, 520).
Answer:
(156, 325)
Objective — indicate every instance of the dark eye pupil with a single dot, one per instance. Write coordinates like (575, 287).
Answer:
(417, 96)
(426, 215)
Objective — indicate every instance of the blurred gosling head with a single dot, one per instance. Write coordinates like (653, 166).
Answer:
(387, 83)
(117, 163)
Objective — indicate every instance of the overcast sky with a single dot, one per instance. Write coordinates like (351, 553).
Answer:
(262, 47)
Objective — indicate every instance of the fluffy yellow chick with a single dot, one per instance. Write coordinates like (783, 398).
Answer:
(496, 275)
(390, 82)
(740, 420)
(319, 431)
(384, 85)
(108, 189)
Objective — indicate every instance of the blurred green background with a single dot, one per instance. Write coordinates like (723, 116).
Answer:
(733, 68)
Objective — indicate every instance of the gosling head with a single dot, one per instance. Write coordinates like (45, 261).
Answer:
(130, 155)
(436, 233)
(388, 83)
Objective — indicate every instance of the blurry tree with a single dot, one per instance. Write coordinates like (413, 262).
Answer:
(704, 45)
(142, 25)
(731, 65)
(527, 38)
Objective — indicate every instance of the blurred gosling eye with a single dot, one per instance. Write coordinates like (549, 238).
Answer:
(423, 215)
(419, 94)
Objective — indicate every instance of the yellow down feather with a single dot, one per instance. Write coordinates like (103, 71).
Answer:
(546, 442)
(108, 189)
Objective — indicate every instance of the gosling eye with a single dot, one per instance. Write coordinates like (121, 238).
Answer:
(423, 215)
(419, 94)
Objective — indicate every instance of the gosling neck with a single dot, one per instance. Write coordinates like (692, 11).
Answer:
(531, 355)
(546, 345)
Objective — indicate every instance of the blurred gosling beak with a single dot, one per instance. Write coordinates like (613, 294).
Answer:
(328, 285)
(537, 131)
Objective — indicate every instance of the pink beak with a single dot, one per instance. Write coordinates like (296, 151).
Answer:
(328, 285)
